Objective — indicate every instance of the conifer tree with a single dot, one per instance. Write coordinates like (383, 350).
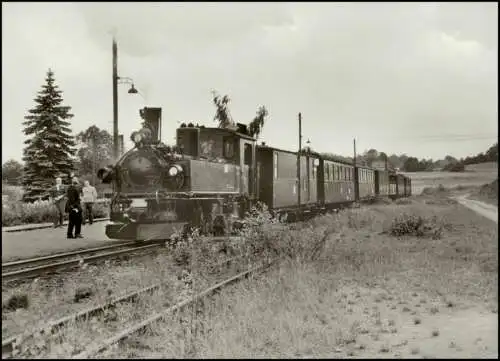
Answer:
(50, 147)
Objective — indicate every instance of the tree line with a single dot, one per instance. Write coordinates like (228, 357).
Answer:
(52, 151)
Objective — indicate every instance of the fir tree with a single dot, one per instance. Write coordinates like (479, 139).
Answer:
(49, 150)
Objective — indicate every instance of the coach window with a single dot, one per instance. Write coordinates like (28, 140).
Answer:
(327, 171)
(275, 156)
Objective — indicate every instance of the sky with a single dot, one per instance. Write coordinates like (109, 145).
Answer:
(420, 79)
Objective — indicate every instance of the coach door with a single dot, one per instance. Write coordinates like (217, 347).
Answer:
(247, 161)
(308, 188)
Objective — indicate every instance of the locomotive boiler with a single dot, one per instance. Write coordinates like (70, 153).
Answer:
(204, 181)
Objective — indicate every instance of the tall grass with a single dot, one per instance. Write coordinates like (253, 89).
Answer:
(334, 268)
(312, 306)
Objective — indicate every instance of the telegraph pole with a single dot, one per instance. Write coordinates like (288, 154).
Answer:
(94, 158)
(356, 183)
(298, 158)
(115, 100)
(354, 143)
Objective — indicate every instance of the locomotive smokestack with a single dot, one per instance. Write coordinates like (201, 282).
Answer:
(106, 174)
(152, 120)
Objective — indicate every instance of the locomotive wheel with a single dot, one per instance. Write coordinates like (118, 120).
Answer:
(219, 226)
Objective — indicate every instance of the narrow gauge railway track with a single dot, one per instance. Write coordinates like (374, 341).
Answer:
(23, 269)
(99, 346)
(10, 344)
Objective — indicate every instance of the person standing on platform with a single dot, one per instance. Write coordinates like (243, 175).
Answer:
(59, 198)
(74, 208)
(89, 197)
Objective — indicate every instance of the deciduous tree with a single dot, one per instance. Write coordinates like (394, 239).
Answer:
(12, 172)
(95, 151)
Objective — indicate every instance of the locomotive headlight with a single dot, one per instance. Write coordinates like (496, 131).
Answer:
(174, 170)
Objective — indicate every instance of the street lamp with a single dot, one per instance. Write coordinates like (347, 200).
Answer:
(118, 80)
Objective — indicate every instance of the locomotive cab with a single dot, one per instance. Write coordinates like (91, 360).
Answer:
(233, 148)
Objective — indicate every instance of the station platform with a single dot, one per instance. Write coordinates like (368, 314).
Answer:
(43, 240)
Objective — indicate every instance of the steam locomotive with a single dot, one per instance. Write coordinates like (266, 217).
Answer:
(213, 176)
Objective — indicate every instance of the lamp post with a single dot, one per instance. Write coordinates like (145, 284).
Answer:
(118, 80)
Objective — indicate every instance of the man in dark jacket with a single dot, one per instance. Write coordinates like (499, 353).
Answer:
(74, 208)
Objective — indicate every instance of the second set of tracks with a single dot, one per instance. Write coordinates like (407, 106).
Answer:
(34, 267)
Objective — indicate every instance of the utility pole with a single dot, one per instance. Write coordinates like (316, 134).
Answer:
(356, 183)
(94, 160)
(115, 100)
(298, 159)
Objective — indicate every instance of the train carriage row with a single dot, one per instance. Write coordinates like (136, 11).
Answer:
(325, 182)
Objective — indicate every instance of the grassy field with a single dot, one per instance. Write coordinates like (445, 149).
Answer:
(475, 175)
(368, 294)
(413, 278)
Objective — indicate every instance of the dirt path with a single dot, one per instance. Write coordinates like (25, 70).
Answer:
(419, 328)
(484, 209)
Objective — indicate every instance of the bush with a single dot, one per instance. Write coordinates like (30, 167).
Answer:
(11, 193)
(454, 167)
(440, 189)
(416, 226)
(402, 201)
(265, 235)
(17, 213)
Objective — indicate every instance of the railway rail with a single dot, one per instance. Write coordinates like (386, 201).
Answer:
(10, 344)
(34, 267)
(98, 347)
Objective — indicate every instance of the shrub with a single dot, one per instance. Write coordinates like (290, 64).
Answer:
(440, 189)
(17, 213)
(265, 235)
(402, 201)
(454, 167)
(415, 226)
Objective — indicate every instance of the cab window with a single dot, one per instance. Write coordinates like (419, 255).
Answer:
(228, 148)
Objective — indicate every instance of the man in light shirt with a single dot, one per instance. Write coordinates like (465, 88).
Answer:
(58, 196)
(89, 196)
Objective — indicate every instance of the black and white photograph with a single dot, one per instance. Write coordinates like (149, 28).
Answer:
(249, 180)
